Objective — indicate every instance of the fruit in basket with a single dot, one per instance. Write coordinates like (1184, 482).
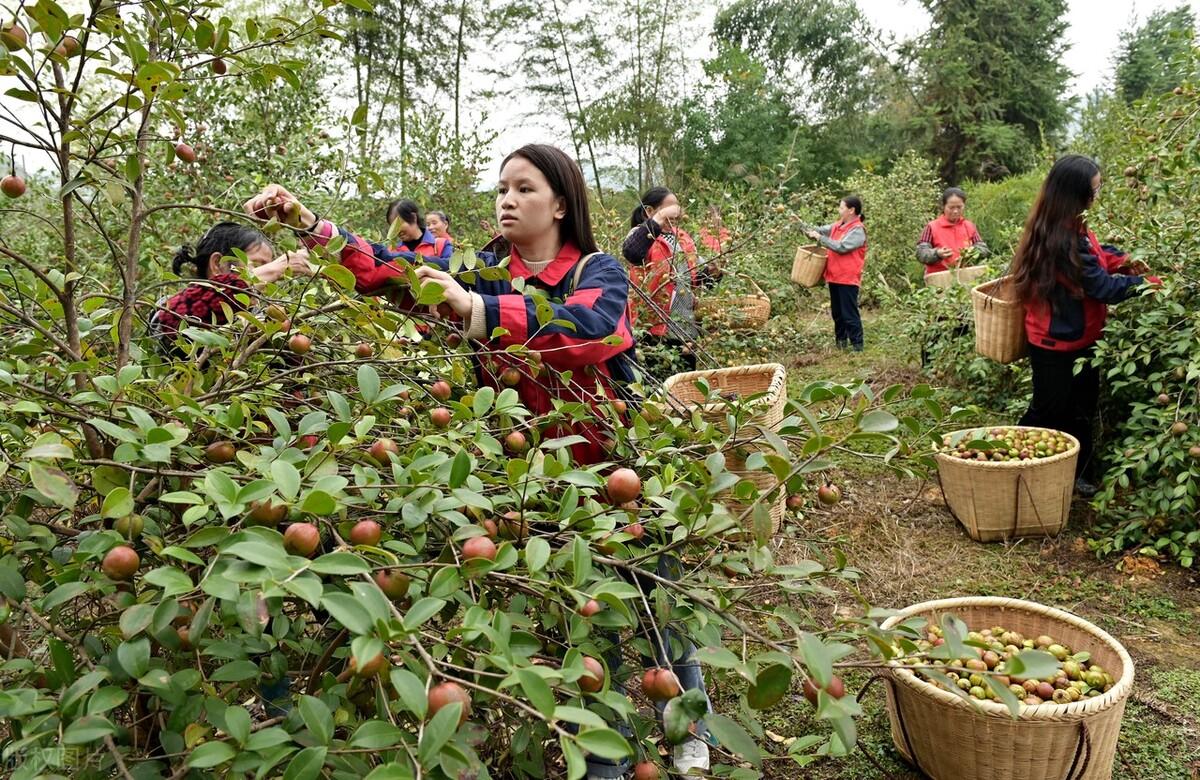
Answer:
(992, 653)
(1005, 444)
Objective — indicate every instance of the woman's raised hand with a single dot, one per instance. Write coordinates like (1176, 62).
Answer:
(668, 213)
(297, 262)
(275, 201)
(458, 298)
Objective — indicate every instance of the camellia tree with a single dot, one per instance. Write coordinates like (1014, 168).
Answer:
(307, 545)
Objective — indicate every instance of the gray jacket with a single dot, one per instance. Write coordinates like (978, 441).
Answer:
(847, 243)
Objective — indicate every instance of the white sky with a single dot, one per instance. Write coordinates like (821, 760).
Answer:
(1095, 26)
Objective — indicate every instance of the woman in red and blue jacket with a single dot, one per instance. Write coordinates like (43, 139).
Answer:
(1067, 279)
(542, 208)
(944, 239)
(664, 268)
(415, 237)
(845, 243)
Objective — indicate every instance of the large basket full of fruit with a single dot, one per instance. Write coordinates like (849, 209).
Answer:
(740, 304)
(1006, 482)
(808, 267)
(999, 321)
(764, 389)
(1060, 726)
(964, 276)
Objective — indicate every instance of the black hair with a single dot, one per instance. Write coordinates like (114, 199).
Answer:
(855, 202)
(223, 237)
(653, 198)
(566, 181)
(406, 210)
(442, 216)
(953, 192)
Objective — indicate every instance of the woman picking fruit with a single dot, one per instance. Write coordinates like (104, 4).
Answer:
(663, 257)
(415, 237)
(1066, 279)
(542, 208)
(204, 302)
(944, 239)
(845, 243)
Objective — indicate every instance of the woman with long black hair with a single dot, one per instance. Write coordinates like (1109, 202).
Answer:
(1067, 279)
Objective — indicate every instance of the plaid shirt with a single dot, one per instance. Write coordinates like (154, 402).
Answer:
(200, 303)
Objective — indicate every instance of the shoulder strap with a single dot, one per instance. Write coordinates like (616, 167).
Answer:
(579, 271)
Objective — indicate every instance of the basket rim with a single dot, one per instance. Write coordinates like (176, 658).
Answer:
(769, 396)
(1039, 712)
(1071, 452)
(979, 291)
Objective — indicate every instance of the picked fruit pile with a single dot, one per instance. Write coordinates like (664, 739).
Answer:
(1006, 444)
(1077, 677)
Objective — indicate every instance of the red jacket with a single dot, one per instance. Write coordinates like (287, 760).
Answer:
(593, 311)
(714, 243)
(428, 246)
(845, 268)
(656, 277)
(1073, 317)
(957, 236)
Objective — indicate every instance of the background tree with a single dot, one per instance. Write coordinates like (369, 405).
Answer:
(1151, 59)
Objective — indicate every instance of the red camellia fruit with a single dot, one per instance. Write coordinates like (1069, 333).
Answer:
(454, 339)
(219, 67)
(185, 638)
(590, 608)
(301, 539)
(309, 440)
(440, 390)
(13, 186)
(491, 528)
(392, 582)
(593, 679)
(219, 452)
(623, 485)
(836, 689)
(513, 525)
(366, 532)
(68, 46)
(646, 770)
(795, 501)
(267, 513)
(511, 377)
(516, 443)
(620, 407)
(446, 693)
(660, 684)
(479, 547)
(13, 36)
(185, 152)
(636, 530)
(440, 417)
(363, 350)
(120, 563)
(382, 449)
(299, 343)
(829, 494)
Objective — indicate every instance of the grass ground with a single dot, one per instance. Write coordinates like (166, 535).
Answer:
(899, 533)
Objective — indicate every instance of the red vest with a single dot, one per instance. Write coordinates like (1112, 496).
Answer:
(957, 237)
(656, 278)
(425, 248)
(847, 268)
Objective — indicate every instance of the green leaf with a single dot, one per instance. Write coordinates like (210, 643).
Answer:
(368, 383)
(769, 687)
(287, 479)
(343, 563)
(12, 583)
(257, 551)
(237, 723)
(54, 484)
(878, 421)
(134, 656)
(117, 503)
(537, 554)
(718, 657)
(681, 712)
(605, 743)
(1032, 665)
(438, 731)
(135, 619)
(318, 502)
(64, 593)
(210, 754)
(235, 671)
(422, 611)
(88, 729)
(173, 581)
(411, 690)
(340, 275)
(1005, 696)
(346, 609)
(817, 659)
(460, 469)
(537, 690)
(317, 718)
(733, 737)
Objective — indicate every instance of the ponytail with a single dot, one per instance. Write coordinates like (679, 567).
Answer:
(183, 256)
(653, 198)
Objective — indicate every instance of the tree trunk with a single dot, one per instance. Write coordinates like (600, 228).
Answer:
(587, 138)
(458, 58)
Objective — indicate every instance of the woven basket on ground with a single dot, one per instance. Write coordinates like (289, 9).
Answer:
(808, 269)
(999, 500)
(964, 276)
(999, 321)
(768, 384)
(949, 738)
(740, 312)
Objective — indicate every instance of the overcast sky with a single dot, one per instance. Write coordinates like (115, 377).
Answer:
(1095, 26)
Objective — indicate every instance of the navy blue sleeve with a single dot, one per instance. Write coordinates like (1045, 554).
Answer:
(1102, 286)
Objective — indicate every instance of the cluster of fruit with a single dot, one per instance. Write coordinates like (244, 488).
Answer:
(1077, 677)
(1005, 444)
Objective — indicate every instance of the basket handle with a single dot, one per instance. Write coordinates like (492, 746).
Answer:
(758, 291)
(1082, 748)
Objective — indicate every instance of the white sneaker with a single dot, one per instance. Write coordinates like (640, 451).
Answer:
(692, 754)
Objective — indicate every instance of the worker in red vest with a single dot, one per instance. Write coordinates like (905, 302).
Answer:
(944, 239)
(438, 223)
(415, 238)
(845, 243)
(1067, 279)
(715, 240)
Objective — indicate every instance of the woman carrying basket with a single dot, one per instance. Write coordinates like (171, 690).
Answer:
(1066, 280)
(945, 238)
(845, 243)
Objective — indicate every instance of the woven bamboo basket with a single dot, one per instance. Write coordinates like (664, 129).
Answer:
(964, 276)
(999, 321)
(808, 269)
(999, 500)
(739, 312)
(950, 738)
(769, 383)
